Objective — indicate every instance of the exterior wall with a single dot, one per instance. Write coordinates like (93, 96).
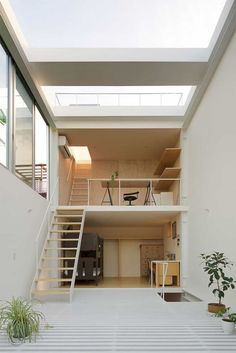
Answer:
(21, 213)
(212, 175)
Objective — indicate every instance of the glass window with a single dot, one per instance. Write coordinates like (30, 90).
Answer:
(41, 154)
(3, 105)
(23, 133)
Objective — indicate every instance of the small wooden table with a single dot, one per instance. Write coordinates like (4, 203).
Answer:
(167, 269)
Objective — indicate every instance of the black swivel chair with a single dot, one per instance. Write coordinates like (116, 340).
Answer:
(131, 196)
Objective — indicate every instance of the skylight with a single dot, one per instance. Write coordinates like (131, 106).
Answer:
(81, 154)
(110, 96)
(118, 23)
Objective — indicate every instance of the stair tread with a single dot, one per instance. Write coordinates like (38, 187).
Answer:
(57, 268)
(50, 279)
(65, 231)
(47, 291)
(61, 248)
(58, 258)
(59, 239)
(71, 216)
(63, 223)
(67, 209)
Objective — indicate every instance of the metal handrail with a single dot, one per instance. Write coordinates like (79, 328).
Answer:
(46, 221)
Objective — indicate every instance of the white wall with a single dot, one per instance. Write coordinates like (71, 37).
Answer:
(21, 213)
(129, 258)
(212, 174)
(111, 258)
(170, 245)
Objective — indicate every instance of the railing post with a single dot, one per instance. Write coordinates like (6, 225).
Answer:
(151, 194)
(119, 191)
(88, 180)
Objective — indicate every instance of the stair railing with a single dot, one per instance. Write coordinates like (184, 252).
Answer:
(77, 255)
(44, 230)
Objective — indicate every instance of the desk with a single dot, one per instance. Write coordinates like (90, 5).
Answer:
(126, 183)
(171, 269)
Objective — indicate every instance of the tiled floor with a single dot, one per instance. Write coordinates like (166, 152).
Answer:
(127, 320)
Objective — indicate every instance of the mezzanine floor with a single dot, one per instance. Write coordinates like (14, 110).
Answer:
(127, 320)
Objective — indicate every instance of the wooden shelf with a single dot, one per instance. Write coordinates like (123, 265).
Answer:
(167, 160)
(163, 185)
(170, 173)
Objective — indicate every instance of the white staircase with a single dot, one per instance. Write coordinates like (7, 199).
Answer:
(56, 272)
(79, 192)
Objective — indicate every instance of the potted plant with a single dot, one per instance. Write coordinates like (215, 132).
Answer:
(19, 320)
(113, 178)
(215, 265)
(228, 320)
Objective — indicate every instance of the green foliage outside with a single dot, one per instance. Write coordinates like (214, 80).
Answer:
(2, 118)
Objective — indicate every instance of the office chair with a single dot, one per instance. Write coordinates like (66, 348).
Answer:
(131, 196)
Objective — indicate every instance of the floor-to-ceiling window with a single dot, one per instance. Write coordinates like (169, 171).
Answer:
(23, 133)
(3, 105)
(41, 154)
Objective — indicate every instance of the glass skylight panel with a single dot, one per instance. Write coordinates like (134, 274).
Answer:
(81, 154)
(118, 96)
(118, 23)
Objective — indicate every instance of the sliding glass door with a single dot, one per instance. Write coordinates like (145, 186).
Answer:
(23, 133)
(3, 105)
(41, 154)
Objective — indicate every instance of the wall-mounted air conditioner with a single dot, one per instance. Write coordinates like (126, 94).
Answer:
(64, 146)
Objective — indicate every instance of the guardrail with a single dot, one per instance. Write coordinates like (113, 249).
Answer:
(44, 229)
(154, 191)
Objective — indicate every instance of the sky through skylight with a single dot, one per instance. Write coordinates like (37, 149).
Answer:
(118, 23)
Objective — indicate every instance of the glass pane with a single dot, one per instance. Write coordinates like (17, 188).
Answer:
(3, 105)
(23, 133)
(41, 154)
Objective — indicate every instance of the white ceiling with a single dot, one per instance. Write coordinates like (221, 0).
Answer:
(121, 43)
(129, 217)
(123, 144)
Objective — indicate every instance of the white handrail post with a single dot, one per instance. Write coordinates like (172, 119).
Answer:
(151, 274)
(88, 190)
(150, 194)
(119, 192)
(164, 272)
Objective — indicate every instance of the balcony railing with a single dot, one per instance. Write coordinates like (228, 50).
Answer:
(25, 173)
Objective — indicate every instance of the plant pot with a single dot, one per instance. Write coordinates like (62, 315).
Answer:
(215, 308)
(228, 326)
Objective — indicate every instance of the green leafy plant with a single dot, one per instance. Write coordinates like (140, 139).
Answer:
(225, 314)
(2, 118)
(113, 178)
(19, 320)
(215, 265)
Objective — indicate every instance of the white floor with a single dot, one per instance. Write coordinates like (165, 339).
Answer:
(127, 320)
